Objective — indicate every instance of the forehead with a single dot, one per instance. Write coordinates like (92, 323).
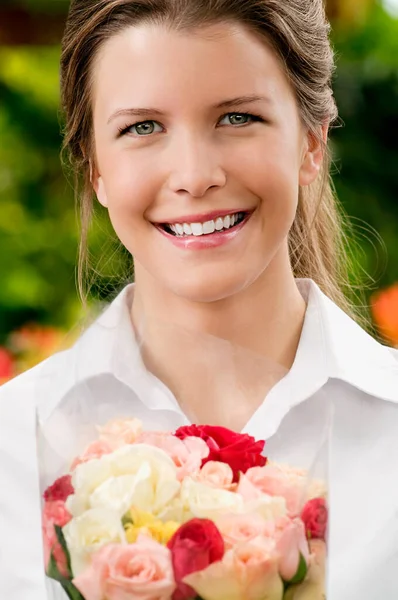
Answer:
(148, 63)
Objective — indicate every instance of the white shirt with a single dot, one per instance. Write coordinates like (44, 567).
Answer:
(339, 370)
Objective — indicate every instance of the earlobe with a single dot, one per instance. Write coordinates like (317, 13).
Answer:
(101, 193)
(98, 186)
(313, 157)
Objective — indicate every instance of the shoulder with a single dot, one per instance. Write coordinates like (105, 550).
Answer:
(28, 384)
(394, 352)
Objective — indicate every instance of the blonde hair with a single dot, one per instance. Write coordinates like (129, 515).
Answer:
(299, 33)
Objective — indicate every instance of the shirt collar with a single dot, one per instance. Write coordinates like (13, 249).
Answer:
(332, 345)
(352, 355)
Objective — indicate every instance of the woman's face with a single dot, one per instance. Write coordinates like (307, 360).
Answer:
(200, 153)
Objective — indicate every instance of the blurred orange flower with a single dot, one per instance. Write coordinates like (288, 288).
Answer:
(33, 343)
(27, 346)
(384, 305)
(6, 365)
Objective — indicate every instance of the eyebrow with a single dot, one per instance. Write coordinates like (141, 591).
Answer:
(146, 112)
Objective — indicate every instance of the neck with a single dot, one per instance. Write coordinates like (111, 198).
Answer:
(249, 339)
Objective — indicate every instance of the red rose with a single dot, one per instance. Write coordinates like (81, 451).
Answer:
(60, 490)
(194, 546)
(239, 450)
(315, 518)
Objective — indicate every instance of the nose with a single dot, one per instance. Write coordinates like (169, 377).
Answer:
(195, 168)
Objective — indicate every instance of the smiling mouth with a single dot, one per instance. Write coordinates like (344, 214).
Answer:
(218, 225)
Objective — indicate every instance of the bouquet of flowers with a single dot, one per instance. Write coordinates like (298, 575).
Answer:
(198, 513)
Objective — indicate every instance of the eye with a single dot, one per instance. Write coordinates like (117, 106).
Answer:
(143, 128)
(241, 119)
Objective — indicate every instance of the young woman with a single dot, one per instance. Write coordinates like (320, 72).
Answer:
(201, 125)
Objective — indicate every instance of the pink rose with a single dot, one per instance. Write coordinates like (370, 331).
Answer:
(142, 571)
(54, 513)
(186, 454)
(94, 450)
(247, 572)
(216, 474)
(290, 543)
(237, 529)
(119, 432)
(275, 480)
(314, 585)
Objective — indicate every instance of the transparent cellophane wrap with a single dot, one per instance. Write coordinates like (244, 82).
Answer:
(297, 434)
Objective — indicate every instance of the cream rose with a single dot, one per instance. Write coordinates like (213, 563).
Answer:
(119, 493)
(247, 572)
(86, 478)
(208, 502)
(86, 534)
(134, 474)
(186, 454)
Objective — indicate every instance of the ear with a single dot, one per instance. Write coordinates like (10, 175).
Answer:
(98, 185)
(314, 151)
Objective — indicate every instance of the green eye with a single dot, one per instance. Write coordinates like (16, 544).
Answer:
(145, 128)
(142, 129)
(240, 119)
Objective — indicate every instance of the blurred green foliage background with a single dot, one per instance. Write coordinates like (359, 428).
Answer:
(38, 224)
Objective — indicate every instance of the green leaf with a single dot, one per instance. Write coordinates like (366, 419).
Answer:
(62, 542)
(72, 592)
(301, 572)
(52, 570)
(53, 573)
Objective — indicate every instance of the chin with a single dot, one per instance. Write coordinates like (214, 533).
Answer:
(207, 289)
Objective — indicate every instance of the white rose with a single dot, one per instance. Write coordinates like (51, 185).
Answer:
(138, 474)
(117, 493)
(161, 485)
(204, 501)
(85, 480)
(84, 535)
(128, 459)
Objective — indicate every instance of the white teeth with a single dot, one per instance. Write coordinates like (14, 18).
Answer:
(227, 222)
(219, 224)
(197, 228)
(209, 227)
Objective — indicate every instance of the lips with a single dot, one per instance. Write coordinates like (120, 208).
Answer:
(199, 225)
(206, 228)
(203, 217)
(207, 235)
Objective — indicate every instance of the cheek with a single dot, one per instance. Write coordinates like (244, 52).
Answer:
(271, 172)
(130, 188)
